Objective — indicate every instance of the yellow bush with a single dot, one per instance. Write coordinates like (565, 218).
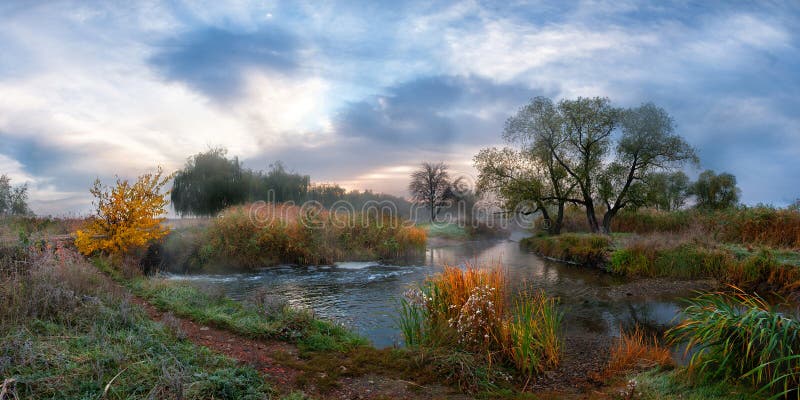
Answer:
(126, 216)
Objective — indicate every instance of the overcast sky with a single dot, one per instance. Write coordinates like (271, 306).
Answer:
(359, 92)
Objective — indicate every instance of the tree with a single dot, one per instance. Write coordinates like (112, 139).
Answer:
(13, 200)
(431, 186)
(208, 183)
(667, 191)
(715, 192)
(522, 183)
(647, 144)
(605, 151)
(126, 216)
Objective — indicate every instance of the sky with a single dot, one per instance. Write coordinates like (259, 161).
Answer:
(359, 93)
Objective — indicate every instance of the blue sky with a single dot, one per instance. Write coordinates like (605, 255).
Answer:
(360, 92)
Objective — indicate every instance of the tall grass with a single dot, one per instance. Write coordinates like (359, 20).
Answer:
(532, 335)
(760, 225)
(635, 350)
(472, 310)
(741, 337)
(248, 236)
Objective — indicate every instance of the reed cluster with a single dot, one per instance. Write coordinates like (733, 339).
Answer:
(635, 350)
(472, 310)
(251, 237)
(741, 337)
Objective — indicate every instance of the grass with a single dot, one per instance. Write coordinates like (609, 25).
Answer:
(468, 311)
(660, 384)
(66, 333)
(741, 338)
(584, 249)
(254, 236)
(249, 319)
(636, 351)
(445, 230)
(759, 225)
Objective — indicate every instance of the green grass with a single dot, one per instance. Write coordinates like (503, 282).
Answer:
(791, 257)
(288, 324)
(446, 231)
(676, 385)
(741, 338)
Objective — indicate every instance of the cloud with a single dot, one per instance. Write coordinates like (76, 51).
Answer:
(360, 93)
(212, 60)
(434, 110)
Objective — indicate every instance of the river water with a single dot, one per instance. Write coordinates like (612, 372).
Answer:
(365, 295)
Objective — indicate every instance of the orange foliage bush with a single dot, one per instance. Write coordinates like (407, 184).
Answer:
(127, 216)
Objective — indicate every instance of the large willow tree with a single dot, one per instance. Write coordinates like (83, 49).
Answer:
(591, 153)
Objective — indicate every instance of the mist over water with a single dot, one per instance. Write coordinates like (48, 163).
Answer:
(366, 295)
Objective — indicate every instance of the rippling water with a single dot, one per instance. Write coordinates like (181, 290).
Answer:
(365, 295)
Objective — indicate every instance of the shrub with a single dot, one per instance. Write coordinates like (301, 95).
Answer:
(127, 216)
(741, 337)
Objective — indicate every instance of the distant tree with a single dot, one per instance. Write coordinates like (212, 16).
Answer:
(126, 216)
(431, 186)
(13, 200)
(667, 191)
(795, 206)
(280, 185)
(208, 183)
(715, 192)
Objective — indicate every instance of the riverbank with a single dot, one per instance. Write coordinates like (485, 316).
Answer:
(766, 271)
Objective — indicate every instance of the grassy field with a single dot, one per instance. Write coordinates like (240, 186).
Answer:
(66, 332)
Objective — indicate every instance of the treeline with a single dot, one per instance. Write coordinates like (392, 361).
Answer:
(211, 182)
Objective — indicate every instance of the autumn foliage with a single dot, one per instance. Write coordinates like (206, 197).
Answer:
(126, 216)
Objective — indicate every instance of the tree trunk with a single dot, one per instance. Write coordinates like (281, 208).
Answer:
(548, 223)
(607, 217)
(591, 215)
(556, 227)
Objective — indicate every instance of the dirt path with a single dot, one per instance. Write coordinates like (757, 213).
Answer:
(278, 361)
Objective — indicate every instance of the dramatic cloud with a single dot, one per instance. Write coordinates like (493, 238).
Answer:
(361, 93)
(213, 60)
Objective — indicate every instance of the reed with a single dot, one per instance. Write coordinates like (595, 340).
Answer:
(635, 350)
(532, 334)
(253, 236)
(741, 337)
(471, 310)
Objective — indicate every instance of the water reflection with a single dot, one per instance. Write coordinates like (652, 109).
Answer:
(365, 295)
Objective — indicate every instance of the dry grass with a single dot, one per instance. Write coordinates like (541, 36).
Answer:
(267, 234)
(635, 351)
(472, 310)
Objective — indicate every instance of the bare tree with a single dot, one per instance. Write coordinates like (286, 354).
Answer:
(431, 186)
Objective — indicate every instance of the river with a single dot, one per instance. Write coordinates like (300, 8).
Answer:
(365, 295)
